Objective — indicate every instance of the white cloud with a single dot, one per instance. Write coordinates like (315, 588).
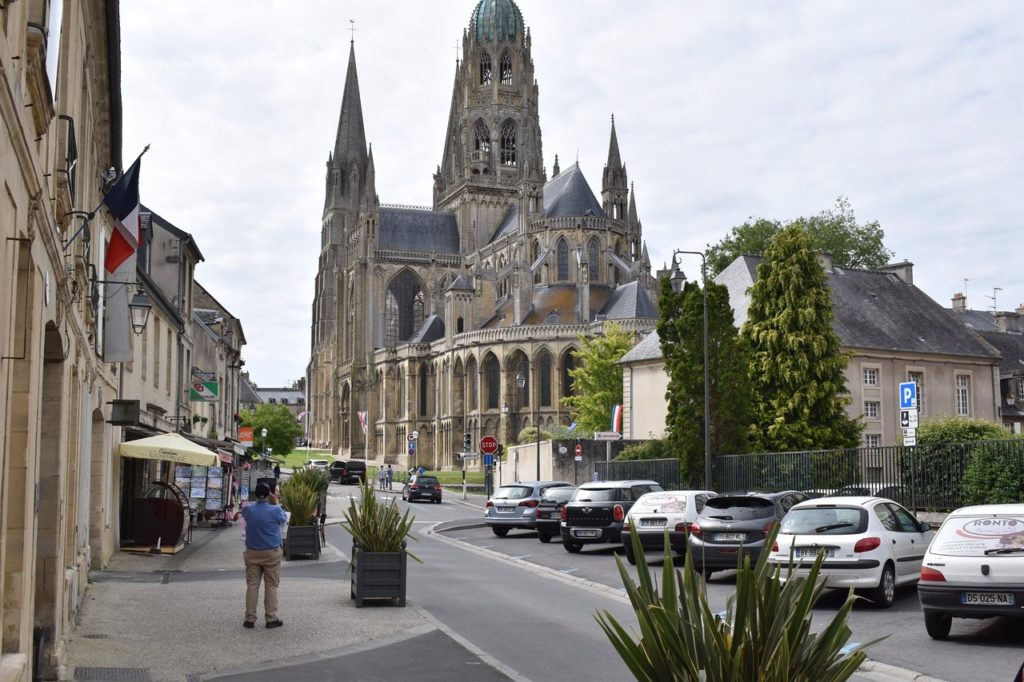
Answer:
(912, 109)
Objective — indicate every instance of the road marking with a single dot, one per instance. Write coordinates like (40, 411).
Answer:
(568, 570)
(522, 556)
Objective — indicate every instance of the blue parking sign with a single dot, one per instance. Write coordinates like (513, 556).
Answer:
(908, 395)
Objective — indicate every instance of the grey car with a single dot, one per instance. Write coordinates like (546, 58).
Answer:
(513, 505)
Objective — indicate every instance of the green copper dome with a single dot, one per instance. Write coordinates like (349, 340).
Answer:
(496, 20)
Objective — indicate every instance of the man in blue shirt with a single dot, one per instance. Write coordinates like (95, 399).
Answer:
(263, 555)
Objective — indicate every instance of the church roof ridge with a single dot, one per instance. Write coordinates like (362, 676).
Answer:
(412, 207)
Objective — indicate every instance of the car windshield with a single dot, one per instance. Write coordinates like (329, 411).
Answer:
(595, 495)
(561, 494)
(738, 508)
(980, 536)
(513, 492)
(825, 521)
(660, 502)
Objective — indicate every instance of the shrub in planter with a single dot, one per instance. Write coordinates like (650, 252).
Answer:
(764, 634)
(376, 526)
(300, 499)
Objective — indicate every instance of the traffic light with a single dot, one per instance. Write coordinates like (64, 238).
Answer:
(500, 452)
(467, 441)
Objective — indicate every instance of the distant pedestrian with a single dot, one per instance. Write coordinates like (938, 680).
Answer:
(381, 477)
(263, 555)
(421, 470)
(277, 471)
(390, 476)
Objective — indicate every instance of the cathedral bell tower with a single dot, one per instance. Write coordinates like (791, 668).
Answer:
(492, 150)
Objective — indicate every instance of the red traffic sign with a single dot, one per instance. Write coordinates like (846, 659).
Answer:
(488, 445)
(579, 449)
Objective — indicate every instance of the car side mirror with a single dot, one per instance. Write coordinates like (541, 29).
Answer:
(925, 527)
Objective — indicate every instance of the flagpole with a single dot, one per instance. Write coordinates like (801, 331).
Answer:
(92, 214)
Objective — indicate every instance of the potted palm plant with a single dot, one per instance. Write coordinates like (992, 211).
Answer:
(379, 554)
(301, 496)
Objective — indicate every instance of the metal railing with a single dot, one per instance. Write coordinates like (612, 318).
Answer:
(923, 477)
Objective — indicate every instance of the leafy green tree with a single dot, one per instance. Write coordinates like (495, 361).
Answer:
(681, 331)
(659, 448)
(796, 364)
(834, 230)
(959, 430)
(597, 378)
(281, 425)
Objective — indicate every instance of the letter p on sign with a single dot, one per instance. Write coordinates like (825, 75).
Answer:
(908, 396)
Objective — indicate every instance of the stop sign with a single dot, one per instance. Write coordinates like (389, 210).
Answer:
(488, 445)
(579, 449)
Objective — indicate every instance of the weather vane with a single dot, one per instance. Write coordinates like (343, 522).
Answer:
(352, 29)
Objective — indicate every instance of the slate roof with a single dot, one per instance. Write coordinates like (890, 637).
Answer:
(648, 348)
(247, 394)
(462, 282)
(432, 329)
(629, 302)
(978, 320)
(1011, 347)
(419, 230)
(568, 194)
(877, 310)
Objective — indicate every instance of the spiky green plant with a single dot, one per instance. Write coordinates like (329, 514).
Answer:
(315, 479)
(300, 499)
(764, 634)
(377, 526)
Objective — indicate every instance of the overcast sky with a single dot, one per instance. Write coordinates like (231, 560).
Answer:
(913, 110)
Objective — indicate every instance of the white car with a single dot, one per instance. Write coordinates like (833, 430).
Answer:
(974, 567)
(320, 464)
(653, 513)
(870, 543)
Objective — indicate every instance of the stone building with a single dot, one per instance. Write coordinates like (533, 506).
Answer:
(426, 319)
(60, 132)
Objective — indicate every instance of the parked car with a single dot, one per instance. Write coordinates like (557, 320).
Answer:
(974, 567)
(337, 471)
(422, 487)
(353, 471)
(731, 522)
(320, 464)
(871, 544)
(548, 516)
(596, 511)
(654, 513)
(513, 505)
(890, 491)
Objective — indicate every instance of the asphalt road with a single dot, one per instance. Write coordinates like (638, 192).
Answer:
(976, 651)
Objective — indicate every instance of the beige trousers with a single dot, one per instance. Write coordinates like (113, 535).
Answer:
(262, 564)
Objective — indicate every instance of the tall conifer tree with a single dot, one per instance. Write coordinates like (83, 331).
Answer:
(796, 363)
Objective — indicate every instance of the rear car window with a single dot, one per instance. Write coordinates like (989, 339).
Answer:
(738, 508)
(561, 494)
(663, 502)
(979, 536)
(426, 479)
(825, 521)
(513, 492)
(596, 495)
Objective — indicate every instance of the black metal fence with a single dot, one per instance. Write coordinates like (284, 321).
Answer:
(923, 477)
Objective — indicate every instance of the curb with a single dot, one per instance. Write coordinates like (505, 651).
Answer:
(883, 671)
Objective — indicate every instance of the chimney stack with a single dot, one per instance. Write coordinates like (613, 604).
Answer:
(904, 270)
(959, 303)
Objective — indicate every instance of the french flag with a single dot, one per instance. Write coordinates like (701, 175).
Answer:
(123, 202)
(617, 419)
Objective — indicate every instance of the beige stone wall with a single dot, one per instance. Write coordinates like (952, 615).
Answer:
(644, 405)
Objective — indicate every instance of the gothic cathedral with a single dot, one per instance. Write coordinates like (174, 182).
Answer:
(463, 317)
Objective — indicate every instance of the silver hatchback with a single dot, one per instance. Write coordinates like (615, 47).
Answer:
(513, 505)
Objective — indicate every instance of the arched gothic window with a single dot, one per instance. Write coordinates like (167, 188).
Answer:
(485, 68)
(568, 364)
(523, 367)
(563, 260)
(423, 393)
(492, 379)
(593, 268)
(506, 69)
(544, 377)
(618, 252)
(483, 138)
(403, 309)
(508, 144)
(533, 260)
(474, 385)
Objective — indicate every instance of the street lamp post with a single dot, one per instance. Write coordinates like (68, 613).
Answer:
(677, 280)
(263, 432)
(521, 381)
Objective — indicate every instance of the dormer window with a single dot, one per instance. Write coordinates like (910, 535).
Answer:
(506, 69)
(485, 69)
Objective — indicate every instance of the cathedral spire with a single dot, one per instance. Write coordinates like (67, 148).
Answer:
(614, 162)
(350, 143)
(614, 185)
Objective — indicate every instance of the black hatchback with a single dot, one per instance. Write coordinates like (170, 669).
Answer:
(422, 488)
(596, 511)
(730, 523)
(548, 516)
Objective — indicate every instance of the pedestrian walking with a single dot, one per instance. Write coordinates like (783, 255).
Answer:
(277, 471)
(263, 555)
(390, 475)
(381, 477)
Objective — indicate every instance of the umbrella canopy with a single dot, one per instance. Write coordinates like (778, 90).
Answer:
(170, 447)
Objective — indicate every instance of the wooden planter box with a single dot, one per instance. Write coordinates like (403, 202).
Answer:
(302, 541)
(378, 575)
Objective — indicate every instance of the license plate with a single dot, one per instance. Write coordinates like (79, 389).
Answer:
(987, 598)
(812, 552)
(730, 537)
(506, 509)
(584, 532)
(652, 522)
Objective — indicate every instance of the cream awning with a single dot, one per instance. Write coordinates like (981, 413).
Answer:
(169, 447)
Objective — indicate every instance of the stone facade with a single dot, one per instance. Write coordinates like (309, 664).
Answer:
(424, 318)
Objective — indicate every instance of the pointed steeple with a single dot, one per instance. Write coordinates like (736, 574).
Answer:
(556, 169)
(633, 221)
(613, 185)
(350, 143)
(614, 160)
(369, 184)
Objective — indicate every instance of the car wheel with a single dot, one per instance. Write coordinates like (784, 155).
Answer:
(543, 537)
(572, 547)
(630, 557)
(403, 497)
(885, 593)
(500, 532)
(937, 624)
